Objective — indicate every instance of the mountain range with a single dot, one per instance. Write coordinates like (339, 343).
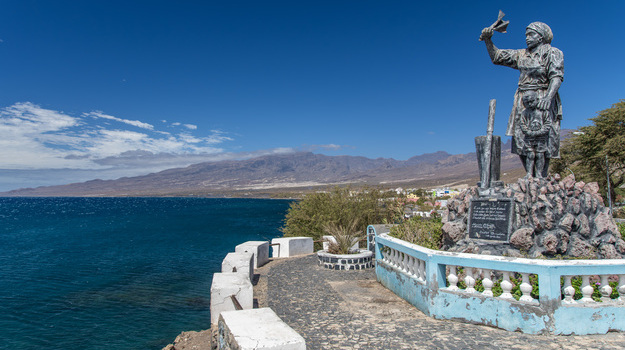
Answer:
(293, 172)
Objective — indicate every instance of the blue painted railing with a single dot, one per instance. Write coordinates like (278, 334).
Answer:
(420, 276)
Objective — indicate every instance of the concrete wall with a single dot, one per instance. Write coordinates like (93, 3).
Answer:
(251, 328)
(226, 284)
(548, 314)
(291, 246)
(240, 263)
(260, 249)
(256, 329)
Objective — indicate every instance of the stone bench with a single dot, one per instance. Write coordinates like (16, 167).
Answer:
(226, 284)
(291, 246)
(242, 263)
(257, 329)
(260, 249)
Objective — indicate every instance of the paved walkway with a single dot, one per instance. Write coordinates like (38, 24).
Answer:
(351, 310)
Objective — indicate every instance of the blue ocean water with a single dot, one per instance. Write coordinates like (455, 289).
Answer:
(117, 273)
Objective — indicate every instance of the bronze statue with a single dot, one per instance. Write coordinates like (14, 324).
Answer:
(541, 69)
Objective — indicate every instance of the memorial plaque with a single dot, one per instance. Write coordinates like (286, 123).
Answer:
(490, 219)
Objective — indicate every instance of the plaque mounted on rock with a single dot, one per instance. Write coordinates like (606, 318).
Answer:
(490, 219)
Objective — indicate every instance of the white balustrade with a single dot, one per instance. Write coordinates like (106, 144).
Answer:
(587, 290)
(568, 290)
(452, 278)
(506, 286)
(596, 277)
(404, 262)
(421, 270)
(416, 267)
(605, 289)
(526, 288)
(469, 280)
(487, 283)
(621, 288)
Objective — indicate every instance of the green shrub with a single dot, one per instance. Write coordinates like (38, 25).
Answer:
(341, 207)
(621, 228)
(426, 232)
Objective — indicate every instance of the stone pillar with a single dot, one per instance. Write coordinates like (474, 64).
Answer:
(260, 249)
(257, 329)
(291, 246)
(242, 263)
(225, 285)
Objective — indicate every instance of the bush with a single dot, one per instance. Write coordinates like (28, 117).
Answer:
(426, 232)
(341, 207)
(621, 229)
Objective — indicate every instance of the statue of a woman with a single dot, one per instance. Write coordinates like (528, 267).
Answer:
(541, 69)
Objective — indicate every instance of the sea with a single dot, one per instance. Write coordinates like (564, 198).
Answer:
(117, 273)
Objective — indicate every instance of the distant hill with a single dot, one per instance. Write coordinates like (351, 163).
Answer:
(285, 172)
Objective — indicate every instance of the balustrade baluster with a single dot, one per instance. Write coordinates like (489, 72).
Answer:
(452, 278)
(407, 260)
(419, 271)
(621, 288)
(568, 290)
(605, 289)
(526, 288)
(469, 280)
(487, 283)
(587, 290)
(506, 286)
(402, 261)
(422, 269)
(398, 259)
(407, 263)
(417, 265)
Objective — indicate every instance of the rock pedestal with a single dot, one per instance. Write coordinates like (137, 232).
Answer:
(551, 218)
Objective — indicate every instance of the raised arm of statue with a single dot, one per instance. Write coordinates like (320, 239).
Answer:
(487, 36)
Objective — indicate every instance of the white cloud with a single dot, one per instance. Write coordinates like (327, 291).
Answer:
(328, 147)
(190, 126)
(136, 123)
(32, 137)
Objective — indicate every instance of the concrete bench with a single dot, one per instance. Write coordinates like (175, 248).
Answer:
(226, 284)
(291, 246)
(240, 263)
(257, 329)
(260, 249)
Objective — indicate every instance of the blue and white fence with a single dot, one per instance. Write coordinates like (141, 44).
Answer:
(430, 280)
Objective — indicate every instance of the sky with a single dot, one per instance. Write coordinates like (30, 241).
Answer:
(105, 89)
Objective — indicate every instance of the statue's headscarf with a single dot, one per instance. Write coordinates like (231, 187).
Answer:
(542, 29)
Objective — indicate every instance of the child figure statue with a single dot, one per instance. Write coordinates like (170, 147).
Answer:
(535, 124)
